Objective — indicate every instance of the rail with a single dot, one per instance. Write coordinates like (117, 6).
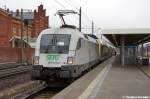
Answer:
(8, 65)
(23, 91)
(5, 72)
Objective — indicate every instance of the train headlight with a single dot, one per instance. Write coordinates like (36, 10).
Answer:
(36, 60)
(70, 60)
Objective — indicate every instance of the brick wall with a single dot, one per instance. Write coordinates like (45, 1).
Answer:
(29, 54)
(5, 31)
(16, 27)
(14, 54)
(40, 21)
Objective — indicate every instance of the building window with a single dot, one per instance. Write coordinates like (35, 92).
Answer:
(14, 30)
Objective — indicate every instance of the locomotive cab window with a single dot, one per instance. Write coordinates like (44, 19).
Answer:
(79, 44)
(55, 43)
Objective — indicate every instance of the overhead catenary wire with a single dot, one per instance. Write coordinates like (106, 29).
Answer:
(60, 4)
(75, 2)
(77, 8)
(71, 4)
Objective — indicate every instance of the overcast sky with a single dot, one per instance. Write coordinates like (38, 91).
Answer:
(104, 13)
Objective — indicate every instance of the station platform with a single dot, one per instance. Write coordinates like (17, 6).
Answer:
(110, 80)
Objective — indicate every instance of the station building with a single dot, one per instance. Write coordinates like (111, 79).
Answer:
(11, 27)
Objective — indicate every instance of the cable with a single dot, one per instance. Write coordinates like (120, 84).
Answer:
(86, 16)
(78, 8)
(71, 5)
(60, 4)
(75, 2)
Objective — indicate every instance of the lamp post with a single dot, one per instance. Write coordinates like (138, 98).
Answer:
(92, 27)
(80, 19)
(22, 34)
(21, 45)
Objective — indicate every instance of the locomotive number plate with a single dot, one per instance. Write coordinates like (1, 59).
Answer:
(52, 58)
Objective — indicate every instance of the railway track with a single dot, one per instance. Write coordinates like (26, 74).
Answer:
(27, 90)
(9, 65)
(5, 72)
(23, 91)
(47, 93)
(30, 90)
(51, 89)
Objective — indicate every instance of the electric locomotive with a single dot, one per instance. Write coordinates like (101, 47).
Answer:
(67, 53)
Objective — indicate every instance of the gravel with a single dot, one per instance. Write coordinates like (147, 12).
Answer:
(8, 82)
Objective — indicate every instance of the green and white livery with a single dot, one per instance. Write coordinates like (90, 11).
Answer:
(66, 53)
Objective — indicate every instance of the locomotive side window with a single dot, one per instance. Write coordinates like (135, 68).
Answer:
(79, 44)
(55, 43)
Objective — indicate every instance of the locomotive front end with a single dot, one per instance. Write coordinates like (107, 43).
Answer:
(53, 59)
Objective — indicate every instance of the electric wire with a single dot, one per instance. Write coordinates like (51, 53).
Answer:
(72, 3)
(60, 4)
(75, 2)
(69, 2)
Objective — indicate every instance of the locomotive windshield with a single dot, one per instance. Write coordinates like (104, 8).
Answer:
(55, 43)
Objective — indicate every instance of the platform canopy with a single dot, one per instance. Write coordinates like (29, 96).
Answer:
(132, 36)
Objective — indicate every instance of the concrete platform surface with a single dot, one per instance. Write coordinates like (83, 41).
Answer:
(109, 80)
(124, 81)
(145, 69)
